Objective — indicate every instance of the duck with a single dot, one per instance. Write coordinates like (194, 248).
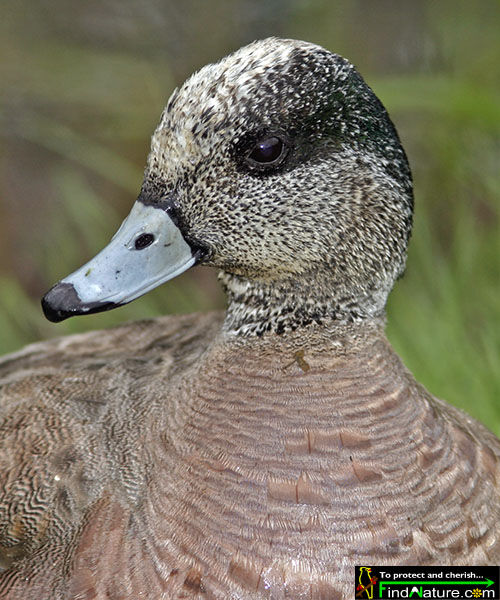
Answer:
(263, 451)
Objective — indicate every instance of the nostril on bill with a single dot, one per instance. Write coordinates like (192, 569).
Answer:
(144, 240)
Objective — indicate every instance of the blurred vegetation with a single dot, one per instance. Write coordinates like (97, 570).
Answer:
(83, 85)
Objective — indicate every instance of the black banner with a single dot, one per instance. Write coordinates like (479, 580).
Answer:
(413, 583)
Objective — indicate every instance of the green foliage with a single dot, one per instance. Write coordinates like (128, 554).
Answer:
(443, 315)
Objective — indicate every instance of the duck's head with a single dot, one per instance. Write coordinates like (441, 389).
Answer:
(279, 166)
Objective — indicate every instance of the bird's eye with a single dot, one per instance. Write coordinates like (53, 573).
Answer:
(268, 151)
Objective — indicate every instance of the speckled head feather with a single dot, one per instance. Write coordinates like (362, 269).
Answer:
(320, 235)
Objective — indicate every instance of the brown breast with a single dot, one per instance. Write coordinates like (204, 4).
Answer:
(258, 469)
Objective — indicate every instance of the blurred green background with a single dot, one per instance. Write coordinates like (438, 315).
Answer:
(83, 85)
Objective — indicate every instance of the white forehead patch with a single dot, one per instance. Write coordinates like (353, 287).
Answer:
(232, 76)
(215, 93)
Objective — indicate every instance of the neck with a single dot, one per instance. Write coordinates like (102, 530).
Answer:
(256, 307)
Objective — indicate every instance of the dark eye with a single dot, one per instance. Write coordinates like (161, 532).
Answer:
(268, 151)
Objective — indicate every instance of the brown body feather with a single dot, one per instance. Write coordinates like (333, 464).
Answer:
(163, 459)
